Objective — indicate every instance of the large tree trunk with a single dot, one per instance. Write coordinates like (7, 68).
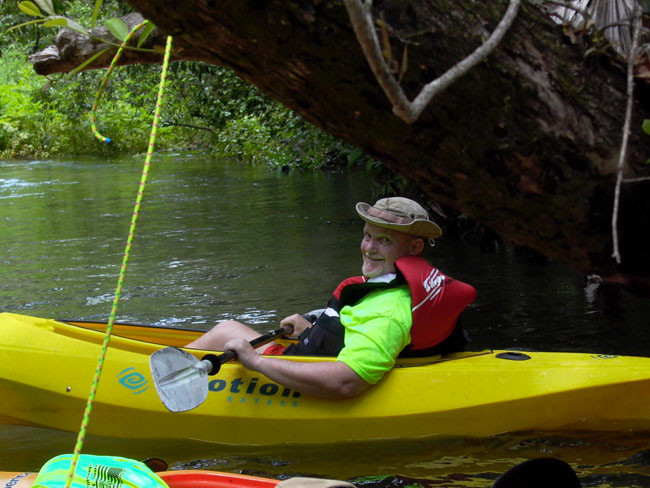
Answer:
(527, 143)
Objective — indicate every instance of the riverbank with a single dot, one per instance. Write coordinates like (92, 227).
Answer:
(204, 107)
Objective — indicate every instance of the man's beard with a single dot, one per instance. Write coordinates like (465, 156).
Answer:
(371, 269)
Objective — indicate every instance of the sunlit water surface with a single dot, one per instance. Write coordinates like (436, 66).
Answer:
(218, 240)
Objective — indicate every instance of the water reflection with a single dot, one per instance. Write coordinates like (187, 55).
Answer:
(600, 460)
(211, 243)
(222, 240)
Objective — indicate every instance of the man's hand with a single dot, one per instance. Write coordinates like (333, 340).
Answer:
(329, 379)
(245, 352)
(298, 322)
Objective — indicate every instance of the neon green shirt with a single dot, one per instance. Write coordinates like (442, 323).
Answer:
(377, 328)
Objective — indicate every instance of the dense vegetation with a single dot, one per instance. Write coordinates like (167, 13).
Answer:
(204, 107)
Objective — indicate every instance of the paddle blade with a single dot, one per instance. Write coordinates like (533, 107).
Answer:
(180, 379)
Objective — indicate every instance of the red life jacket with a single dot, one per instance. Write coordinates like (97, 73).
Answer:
(436, 300)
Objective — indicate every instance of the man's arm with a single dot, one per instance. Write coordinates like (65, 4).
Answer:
(326, 379)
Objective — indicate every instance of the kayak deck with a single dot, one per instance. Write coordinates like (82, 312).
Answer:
(164, 336)
(471, 394)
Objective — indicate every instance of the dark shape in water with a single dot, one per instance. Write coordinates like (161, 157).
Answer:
(539, 473)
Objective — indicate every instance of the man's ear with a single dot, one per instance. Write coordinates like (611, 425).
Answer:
(416, 246)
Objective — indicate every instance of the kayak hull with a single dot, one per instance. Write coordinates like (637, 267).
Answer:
(47, 366)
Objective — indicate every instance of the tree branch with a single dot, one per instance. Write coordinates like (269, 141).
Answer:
(636, 180)
(626, 130)
(362, 22)
(72, 49)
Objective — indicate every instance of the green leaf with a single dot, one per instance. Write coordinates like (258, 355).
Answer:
(118, 28)
(75, 26)
(56, 22)
(354, 156)
(93, 19)
(30, 8)
(646, 126)
(46, 6)
(146, 30)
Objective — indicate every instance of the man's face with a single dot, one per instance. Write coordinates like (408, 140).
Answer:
(380, 249)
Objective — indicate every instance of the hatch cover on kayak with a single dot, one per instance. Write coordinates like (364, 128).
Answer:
(513, 356)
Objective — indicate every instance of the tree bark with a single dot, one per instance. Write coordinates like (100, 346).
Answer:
(526, 143)
(71, 49)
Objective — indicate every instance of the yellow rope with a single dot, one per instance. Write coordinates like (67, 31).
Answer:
(118, 291)
(109, 71)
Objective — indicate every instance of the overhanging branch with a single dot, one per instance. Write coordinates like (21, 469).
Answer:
(361, 17)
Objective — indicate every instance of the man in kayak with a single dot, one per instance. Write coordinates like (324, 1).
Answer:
(401, 305)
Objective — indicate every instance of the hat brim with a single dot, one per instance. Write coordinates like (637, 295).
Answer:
(417, 227)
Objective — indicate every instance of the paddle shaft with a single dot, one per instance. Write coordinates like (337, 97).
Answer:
(218, 360)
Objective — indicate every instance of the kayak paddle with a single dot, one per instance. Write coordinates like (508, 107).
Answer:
(181, 380)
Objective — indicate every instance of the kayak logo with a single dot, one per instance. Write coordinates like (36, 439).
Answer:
(255, 392)
(134, 381)
(15, 480)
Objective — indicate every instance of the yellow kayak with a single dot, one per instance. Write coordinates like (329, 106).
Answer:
(47, 366)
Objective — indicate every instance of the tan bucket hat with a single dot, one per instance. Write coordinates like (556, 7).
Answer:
(402, 214)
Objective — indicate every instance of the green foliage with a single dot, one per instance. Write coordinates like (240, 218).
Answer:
(118, 28)
(96, 9)
(386, 182)
(38, 120)
(247, 125)
(23, 117)
(46, 16)
(46, 19)
(204, 106)
(279, 138)
(242, 123)
(646, 128)
(21, 28)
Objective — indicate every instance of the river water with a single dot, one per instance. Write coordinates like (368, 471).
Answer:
(218, 240)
